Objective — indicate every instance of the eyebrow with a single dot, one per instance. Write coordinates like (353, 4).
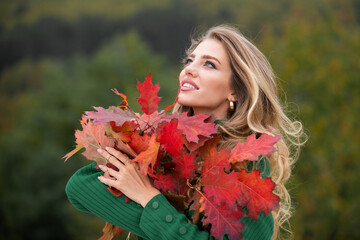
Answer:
(206, 57)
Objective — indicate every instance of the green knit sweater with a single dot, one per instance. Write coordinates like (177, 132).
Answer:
(159, 220)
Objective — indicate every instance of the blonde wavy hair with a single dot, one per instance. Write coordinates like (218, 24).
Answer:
(257, 110)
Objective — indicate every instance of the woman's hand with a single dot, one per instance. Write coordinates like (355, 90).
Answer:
(128, 179)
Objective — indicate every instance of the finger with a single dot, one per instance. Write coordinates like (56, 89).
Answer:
(107, 181)
(116, 162)
(107, 175)
(119, 155)
(110, 158)
(110, 171)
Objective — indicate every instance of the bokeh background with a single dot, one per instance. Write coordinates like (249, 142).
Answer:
(60, 58)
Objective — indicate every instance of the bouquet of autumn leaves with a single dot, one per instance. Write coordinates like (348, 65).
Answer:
(180, 154)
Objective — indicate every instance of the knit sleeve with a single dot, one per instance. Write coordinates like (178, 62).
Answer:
(161, 221)
(88, 194)
(158, 220)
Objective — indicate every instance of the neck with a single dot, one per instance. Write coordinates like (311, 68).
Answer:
(217, 114)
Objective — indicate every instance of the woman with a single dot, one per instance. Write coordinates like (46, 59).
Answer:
(224, 75)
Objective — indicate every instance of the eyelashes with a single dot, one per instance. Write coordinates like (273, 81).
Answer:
(207, 63)
(210, 64)
(186, 61)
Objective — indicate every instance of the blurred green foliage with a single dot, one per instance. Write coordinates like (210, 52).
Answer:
(60, 58)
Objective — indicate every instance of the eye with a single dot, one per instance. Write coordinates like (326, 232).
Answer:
(187, 61)
(210, 64)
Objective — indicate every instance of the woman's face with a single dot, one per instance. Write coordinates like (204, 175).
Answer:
(205, 80)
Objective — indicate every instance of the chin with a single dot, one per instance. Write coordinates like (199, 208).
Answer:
(183, 101)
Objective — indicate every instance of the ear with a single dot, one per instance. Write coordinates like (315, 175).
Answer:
(232, 97)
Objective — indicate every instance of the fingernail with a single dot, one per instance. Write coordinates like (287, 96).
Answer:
(100, 150)
(107, 148)
(101, 166)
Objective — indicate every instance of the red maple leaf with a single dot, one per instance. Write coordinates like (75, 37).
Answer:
(147, 123)
(170, 137)
(147, 159)
(216, 162)
(118, 193)
(92, 138)
(185, 165)
(164, 182)
(253, 148)
(148, 95)
(223, 220)
(194, 126)
(257, 194)
(218, 184)
(115, 114)
(223, 187)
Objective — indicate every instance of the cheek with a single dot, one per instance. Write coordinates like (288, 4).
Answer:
(181, 75)
(219, 85)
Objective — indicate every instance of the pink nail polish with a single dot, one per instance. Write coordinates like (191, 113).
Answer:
(107, 148)
(100, 150)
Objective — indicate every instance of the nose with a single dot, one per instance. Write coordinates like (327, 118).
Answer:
(190, 70)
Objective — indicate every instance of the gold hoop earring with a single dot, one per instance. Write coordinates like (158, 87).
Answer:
(232, 107)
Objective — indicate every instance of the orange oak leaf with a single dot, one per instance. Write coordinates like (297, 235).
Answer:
(109, 231)
(196, 206)
(126, 127)
(71, 153)
(115, 114)
(193, 146)
(93, 137)
(125, 148)
(117, 231)
(139, 143)
(253, 148)
(169, 137)
(223, 220)
(124, 104)
(204, 151)
(172, 105)
(147, 159)
(148, 95)
(121, 133)
(257, 194)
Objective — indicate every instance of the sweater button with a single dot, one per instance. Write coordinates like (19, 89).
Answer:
(155, 205)
(169, 218)
(182, 230)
